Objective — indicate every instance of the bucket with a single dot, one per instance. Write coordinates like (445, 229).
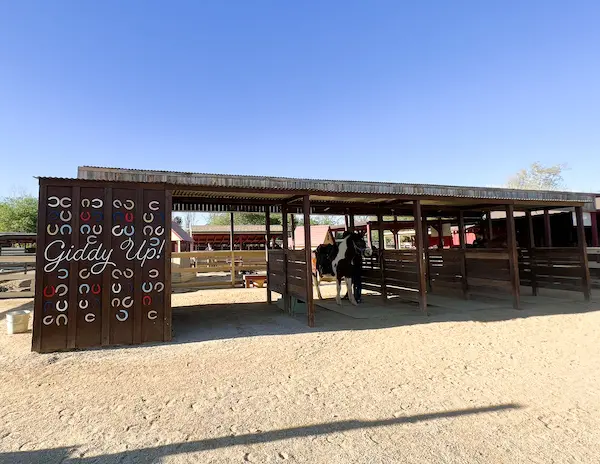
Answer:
(17, 321)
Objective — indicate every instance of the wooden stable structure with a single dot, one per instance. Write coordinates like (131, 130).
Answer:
(61, 323)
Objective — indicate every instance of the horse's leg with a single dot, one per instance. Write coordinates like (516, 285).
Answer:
(338, 283)
(350, 292)
(317, 282)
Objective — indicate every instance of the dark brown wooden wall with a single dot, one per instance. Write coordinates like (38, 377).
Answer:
(115, 286)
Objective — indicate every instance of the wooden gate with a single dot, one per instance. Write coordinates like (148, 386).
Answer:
(103, 273)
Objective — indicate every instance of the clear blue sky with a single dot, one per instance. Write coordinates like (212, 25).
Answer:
(407, 91)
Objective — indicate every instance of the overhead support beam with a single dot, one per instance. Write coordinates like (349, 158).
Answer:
(513, 258)
(294, 199)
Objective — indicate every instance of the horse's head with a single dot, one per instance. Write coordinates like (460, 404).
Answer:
(356, 241)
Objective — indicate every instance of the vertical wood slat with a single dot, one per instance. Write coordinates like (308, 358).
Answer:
(594, 220)
(138, 269)
(581, 244)
(293, 231)
(268, 230)
(106, 276)
(490, 225)
(531, 241)
(73, 269)
(381, 239)
(168, 311)
(310, 306)
(284, 222)
(463, 261)
(440, 225)
(231, 247)
(422, 284)
(513, 258)
(36, 341)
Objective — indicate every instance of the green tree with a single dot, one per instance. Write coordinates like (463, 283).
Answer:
(18, 214)
(538, 177)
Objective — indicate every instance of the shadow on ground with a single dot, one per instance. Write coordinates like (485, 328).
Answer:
(225, 321)
(152, 454)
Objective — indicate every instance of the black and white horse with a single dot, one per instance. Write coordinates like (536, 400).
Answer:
(336, 262)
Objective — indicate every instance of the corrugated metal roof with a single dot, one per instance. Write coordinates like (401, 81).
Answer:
(271, 185)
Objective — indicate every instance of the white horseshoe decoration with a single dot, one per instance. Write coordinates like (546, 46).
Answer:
(154, 241)
(53, 202)
(153, 208)
(117, 203)
(148, 227)
(97, 229)
(84, 273)
(53, 231)
(66, 226)
(129, 230)
(130, 203)
(61, 286)
(115, 233)
(115, 302)
(129, 304)
(114, 271)
(65, 202)
(116, 288)
(85, 227)
(65, 213)
(122, 318)
(60, 307)
(48, 320)
(86, 287)
(97, 203)
(65, 272)
(153, 273)
(63, 317)
(85, 203)
(158, 231)
(90, 317)
(148, 217)
(152, 315)
(157, 285)
(145, 286)
(128, 273)
(82, 305)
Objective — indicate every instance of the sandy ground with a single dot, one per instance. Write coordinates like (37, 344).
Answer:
(246, 383)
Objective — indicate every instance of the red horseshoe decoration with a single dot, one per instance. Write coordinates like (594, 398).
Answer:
(85, 216)
(52, 289)
(96, 290)
(147, 300)
(129, 217)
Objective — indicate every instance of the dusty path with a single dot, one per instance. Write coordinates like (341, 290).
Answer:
(271, 390)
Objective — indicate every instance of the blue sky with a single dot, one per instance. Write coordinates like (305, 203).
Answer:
(460, 92)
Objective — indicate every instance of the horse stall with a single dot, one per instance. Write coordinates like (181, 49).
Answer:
(103, 271)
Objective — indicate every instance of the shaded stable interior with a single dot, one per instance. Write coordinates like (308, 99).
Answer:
(407, 274)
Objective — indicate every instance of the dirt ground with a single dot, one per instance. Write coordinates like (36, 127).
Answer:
(246, 383)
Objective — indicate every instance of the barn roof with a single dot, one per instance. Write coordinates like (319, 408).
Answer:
(194, 188)
(180, 232)
(318, 235)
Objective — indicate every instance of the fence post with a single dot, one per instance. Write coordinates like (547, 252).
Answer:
(585, 281)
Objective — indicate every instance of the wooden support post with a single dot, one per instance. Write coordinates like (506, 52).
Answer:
(232, 248)
(422, 278)
(582, 245)
(284, 222)
(346, 222)
(463, 248)
(369, 238)
(440, 225)
(490, 225)
(513, 258)
(310, 305)
(381, 255)
(395, 232)
(547, 229)
(351, 222)
(268, 230)
(293, 224)
(532, 261)
(426, 250)
(594, 219)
